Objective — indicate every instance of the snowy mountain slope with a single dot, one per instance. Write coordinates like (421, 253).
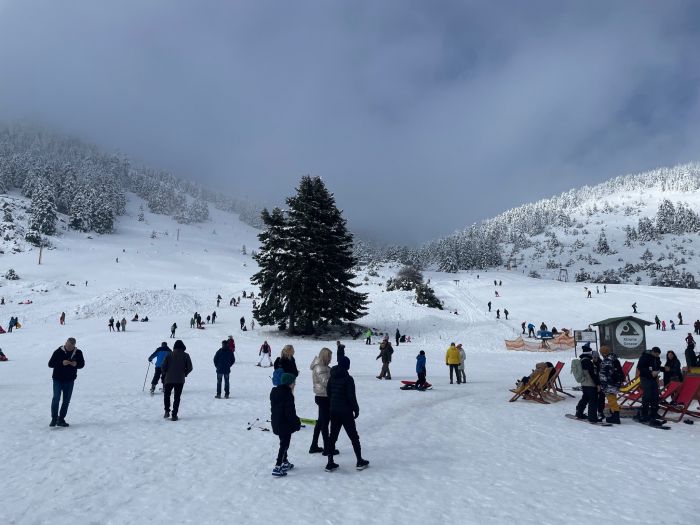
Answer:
(601, 233)
(456, 453)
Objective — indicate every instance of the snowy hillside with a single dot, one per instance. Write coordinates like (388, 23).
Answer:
(640, 229)
(454, 454)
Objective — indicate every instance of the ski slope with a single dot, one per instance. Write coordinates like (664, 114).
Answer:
(458, 453)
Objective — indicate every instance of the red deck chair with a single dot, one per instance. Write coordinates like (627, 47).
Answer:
(626, 369)
(686, 395)
(554, 384)
(636, 396)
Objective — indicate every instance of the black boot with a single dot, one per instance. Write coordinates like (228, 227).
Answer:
(53, 422)
(613, 418)
(62, 422)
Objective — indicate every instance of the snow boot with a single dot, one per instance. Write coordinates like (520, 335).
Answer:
(580, 415)
(217, 396)
(226, 396)
(287, 466)
(53, 422)
(174, 418)
(362, 464)
(167, 414)
(153, 390)
(62, 422)
(613, 418)
(315, 449)
(330, 467)
(278, 472)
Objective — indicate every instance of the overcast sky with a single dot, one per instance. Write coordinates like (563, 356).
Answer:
(422, 116)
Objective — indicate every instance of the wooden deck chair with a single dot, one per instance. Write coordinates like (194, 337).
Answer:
(686, 395)
(534, 389)
(626, 369)
(554, 384)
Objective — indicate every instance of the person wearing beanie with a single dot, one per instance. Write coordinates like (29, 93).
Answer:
(452, 359)
(590, 386)
(344, 411)
(611, 378)
(385, 353)
(321, 373)
(159, 355)
(284, 420)
(223, 361)
(649, 368)
(176, 367)
(421, 370)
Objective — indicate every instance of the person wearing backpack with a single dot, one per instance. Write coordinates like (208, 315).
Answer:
(584, 372)
(385, 352)
(284, 421)
(265, 353)
(611, 378)
(223, 361)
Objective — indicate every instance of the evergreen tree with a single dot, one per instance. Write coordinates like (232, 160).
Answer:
(603, 248)
(79, 215)
(141, 217)
(43, 210)
(315, 247)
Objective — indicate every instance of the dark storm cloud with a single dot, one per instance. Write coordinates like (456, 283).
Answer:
(422, 116)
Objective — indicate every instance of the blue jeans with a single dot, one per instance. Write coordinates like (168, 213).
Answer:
(218, 383)
(65, 388)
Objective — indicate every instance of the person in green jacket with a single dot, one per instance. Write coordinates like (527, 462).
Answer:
(368, 337)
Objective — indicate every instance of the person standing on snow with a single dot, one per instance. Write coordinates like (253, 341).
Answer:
(321, 373)
(421, 371)
(160, 354)
(62, 319)
(649, 368)
(590, 386)
(65, 361)
(192, 322)
(610, 381)
(344, 411)
(119, 326)
(213, 317)
(286, 361)
(368, 337)
(498, 313)
(265, 353)
(176, 367)
(231, 343)
(680, 319)
(218, 300)
(398, 337)
(462, 362)
(657, 321)
(489, 305)
(123, 324)
(110, 324)
(452, 359)
(634, 308)
(223, 361)
(522, 325)
(385, 353)
(172, 330)
(284, 421)
(505, 312)
(530, 330)
(242, 323)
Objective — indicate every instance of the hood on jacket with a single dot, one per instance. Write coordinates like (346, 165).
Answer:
(315, 362)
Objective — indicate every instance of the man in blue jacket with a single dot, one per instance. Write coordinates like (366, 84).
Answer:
(223, 361)
(421, 370)
(65, 361)
(159, 356)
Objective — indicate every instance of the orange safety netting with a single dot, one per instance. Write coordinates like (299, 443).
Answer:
(560, 342)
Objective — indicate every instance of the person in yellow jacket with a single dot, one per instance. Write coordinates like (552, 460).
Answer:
(453, 359)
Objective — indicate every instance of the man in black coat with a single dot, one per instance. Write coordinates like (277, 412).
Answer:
(65, 361)
(344, 410)
(176, 367)
(284, 420)
(223, 361)
(649, 367)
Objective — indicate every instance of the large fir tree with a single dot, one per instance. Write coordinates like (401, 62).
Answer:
(306, 263)
(43, 210)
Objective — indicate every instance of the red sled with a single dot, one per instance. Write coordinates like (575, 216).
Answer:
(411, 385)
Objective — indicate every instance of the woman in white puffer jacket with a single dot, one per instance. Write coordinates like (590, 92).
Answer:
(321, 373)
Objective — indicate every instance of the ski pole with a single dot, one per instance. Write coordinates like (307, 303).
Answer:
(145, 378)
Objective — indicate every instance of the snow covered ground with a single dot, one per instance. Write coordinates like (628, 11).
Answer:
(459, 454)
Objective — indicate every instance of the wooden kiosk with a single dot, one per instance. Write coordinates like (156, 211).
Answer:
(625, 336)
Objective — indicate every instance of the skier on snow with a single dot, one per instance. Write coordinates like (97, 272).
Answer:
(160, 353)
(265, 353)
